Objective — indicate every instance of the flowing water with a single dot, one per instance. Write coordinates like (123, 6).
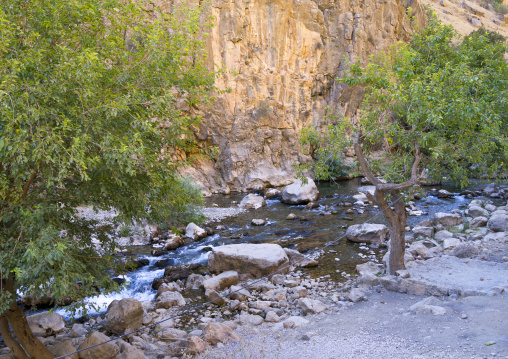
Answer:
(313, 230)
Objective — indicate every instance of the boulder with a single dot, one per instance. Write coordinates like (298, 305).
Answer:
(253, 201)
(258, 222)
(419, 249)
(174, 273)
(194, 281)
(477, 211)
(46, 324)
(213, 296)
(362, 197)
(168, 287)
(195, 232)
(215, 333)
(172, 335)
(78, 330)
(498, 222)
(356, 295)
(423, 231)
(449, 243)
(272, 317)
(64, 348)
(104, 351)
(195, 346)
(311, 306)
(465, 250)
(131, 354)
(441, 235)
(295, 322)
(239, 293)
(169, 299)
(447, 219)
(250, 319)
(298, 259)
(291, 217)
(299, 193)
(174, 242)
(368, 268)
(442, 193)
(428, 306)
(478, 222)
(249, 260)
(367, 233)
(124, 316)
(221, 281)
(272, 193)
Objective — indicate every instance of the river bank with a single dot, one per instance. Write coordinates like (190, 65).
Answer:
(331, 288)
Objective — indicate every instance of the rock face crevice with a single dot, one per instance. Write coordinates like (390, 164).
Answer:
(282, 59)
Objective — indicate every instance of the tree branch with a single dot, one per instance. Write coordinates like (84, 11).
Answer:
(363, 161)
(26, 187)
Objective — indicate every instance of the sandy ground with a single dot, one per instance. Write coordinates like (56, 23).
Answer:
(452, 13)
(384, 327)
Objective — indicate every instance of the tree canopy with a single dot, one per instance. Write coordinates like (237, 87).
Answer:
(92, 94)
(436, 107)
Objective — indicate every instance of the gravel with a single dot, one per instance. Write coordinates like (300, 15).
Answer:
(383, 327)
(215, 214)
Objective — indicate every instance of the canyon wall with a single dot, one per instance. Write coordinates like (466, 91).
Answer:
(282, 59)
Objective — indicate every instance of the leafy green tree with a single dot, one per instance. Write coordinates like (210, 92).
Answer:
(439, 109)
(91, 99)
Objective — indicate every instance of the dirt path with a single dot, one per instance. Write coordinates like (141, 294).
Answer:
(384, 327)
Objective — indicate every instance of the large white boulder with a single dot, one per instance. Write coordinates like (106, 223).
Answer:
(124, 316)
(253, 201)
(367, 233)
(249, 260)
(46, 324)
(194, 231)
(298, 193)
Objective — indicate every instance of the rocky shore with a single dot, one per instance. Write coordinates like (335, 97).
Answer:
(449, 257)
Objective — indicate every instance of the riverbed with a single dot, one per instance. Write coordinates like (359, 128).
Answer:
(314, 229)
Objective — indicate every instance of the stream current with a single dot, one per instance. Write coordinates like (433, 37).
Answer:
(312, 231)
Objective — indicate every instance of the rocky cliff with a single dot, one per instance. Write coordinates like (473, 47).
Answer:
(283, 58)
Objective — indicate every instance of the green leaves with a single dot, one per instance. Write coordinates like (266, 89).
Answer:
(444, 99)
(92, 112)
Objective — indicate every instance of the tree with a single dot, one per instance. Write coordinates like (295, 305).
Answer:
(91, 99)
(438, 108)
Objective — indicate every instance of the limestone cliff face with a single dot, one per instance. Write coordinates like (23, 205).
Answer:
(283, 58)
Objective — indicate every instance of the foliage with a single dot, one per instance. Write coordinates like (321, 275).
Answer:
(447, 103)
(188, 212)
(492, 36)
(326, 148)
(89, 114)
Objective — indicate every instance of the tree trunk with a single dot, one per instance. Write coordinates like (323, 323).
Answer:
(396, 219)
(25, 339)
(24, 335)
(16, 349)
